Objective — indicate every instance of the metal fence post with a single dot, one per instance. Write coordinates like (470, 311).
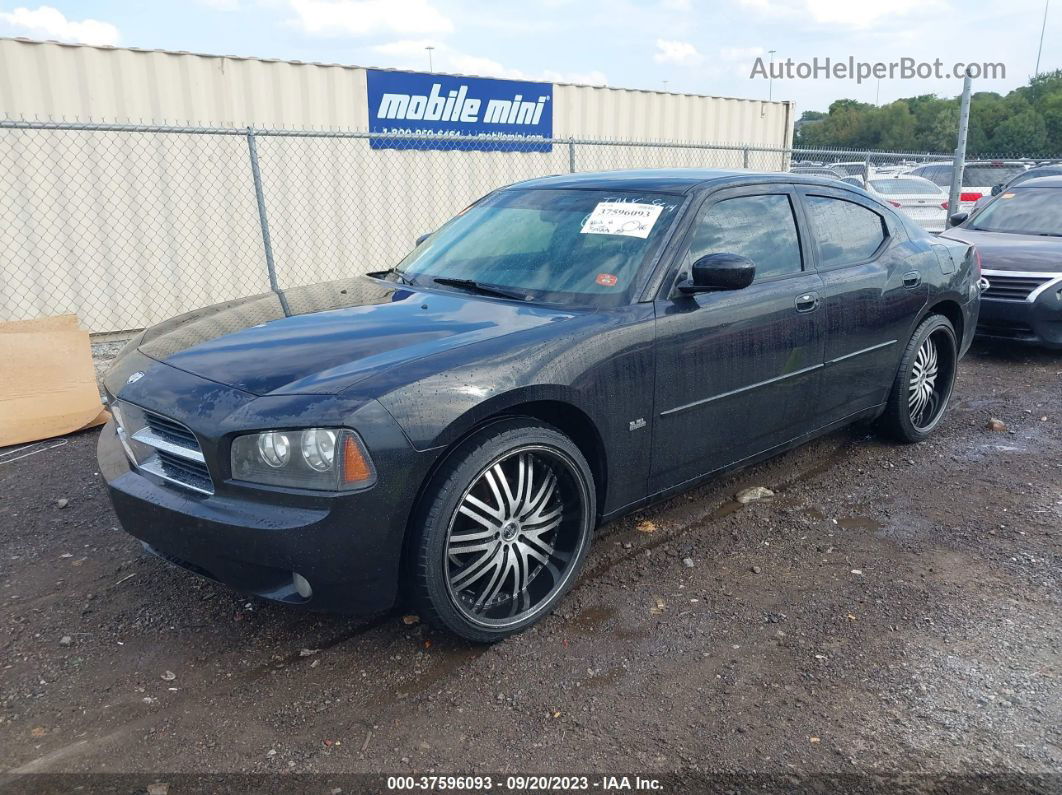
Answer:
(256, 173)
(571, 155)
(745, 158)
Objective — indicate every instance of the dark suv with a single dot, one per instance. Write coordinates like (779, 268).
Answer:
(562, 352)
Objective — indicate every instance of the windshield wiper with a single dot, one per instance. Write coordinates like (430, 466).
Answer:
(399, 275)
(480, 287)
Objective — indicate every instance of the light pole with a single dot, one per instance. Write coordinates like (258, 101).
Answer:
(429, 48)
(770, 77)
(959, 163)
(1043, 26)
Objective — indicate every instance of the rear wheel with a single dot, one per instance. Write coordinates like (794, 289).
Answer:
(503, 530)
(924, 381)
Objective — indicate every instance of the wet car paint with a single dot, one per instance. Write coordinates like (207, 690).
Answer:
(414, 370)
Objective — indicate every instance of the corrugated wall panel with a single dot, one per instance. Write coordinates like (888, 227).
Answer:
(60, 81)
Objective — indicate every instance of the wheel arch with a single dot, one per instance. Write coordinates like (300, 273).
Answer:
(952, 310)
(553, 405)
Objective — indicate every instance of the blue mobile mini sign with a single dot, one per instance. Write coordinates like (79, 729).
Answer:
(441, 105)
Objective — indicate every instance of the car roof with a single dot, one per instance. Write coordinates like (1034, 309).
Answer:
(1040, 182)
(667, 180)
(904, 175)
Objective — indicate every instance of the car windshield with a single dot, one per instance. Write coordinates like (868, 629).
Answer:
(559, 246)
(900, 186)
(1026, 211)
(988, 175)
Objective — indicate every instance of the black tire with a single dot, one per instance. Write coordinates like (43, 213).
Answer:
(480, 506)
(910, 417)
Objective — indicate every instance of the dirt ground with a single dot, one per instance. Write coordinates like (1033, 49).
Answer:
(892, 608)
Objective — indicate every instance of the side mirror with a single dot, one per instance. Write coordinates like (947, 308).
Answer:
(720, 272)
(421, 239)
(997, 189)
(957, 218)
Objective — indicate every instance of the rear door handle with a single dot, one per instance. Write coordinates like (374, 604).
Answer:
(912, 279)
(807, 302)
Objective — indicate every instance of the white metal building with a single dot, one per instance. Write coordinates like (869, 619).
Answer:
(71, 81)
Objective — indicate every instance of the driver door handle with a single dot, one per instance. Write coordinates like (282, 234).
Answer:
(912, 279)
(807, 302)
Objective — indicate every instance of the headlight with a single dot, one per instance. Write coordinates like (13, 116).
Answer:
(319, 449)
(274, 448)
(332, 459)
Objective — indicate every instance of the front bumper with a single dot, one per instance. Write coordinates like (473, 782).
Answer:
(348, 547)
(1038, 321)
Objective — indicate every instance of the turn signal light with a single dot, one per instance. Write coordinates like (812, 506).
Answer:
(355, 468)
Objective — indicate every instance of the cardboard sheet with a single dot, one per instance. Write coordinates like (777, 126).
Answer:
(47, 382)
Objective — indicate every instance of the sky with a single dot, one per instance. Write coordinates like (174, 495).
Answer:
(707, 47)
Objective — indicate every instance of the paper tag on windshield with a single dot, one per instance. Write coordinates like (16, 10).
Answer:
(631, 219)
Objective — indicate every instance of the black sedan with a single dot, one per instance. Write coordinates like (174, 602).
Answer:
(1019, 238)
(562, 352)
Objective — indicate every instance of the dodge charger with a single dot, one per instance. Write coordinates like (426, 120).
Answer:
(452, 429)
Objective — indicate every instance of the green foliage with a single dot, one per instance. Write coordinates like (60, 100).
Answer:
(1027, 121)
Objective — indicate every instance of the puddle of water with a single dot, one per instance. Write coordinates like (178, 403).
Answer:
(588, 620)
(607, 678)
(859, 523)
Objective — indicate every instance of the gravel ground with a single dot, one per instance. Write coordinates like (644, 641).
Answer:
(103, 354)
(892, 608)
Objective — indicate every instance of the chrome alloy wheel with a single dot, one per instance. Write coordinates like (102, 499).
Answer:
(516, 533)
(924, 399)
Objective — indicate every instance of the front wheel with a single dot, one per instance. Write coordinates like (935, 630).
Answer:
(924, 381)
(502, 531)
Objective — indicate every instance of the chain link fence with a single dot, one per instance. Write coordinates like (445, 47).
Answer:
(127, 225)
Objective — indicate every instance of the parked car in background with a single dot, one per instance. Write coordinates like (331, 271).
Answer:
(888, 170)
(978, 177)
(564, 351)
(1019, 238)
(1049, 170)
(853, 168)
(818, 171)
(922, 201)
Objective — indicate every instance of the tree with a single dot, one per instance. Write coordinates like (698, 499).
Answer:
(1023, 134)
(1026, 121)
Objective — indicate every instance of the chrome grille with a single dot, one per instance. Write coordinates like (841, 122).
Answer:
(171, 431)
(1013, 287)
(163, 447)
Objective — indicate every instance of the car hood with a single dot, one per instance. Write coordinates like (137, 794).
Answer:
(1005, 252)
(325, 337)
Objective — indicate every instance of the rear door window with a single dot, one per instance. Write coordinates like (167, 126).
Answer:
(847, 233)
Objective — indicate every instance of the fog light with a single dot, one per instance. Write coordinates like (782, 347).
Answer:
(302, 585)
